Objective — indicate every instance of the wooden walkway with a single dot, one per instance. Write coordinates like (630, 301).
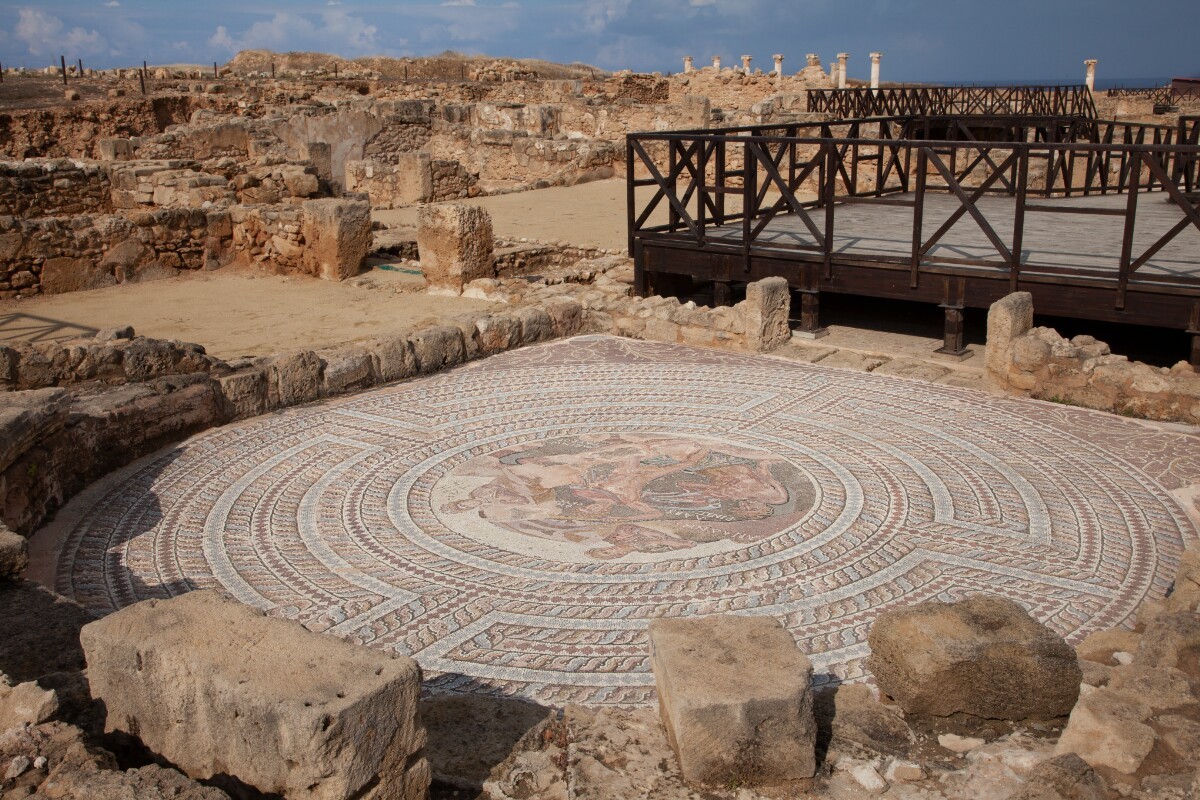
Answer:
(1076, 241)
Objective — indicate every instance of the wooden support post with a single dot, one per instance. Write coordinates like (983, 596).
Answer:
(64, 69)
(722, 294)
(80, 73)
(215, 73)
(142, 80)
(1, 73)
(810, 303)
(952, 336)
(272, 70)
(1194, 331)
(641, 279)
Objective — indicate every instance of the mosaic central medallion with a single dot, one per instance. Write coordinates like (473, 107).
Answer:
(622, 496)
(515, 525)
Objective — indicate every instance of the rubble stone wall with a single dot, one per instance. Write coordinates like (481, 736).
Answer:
(52, 255)
(1038, 362)
(52, 188)
(74, 131)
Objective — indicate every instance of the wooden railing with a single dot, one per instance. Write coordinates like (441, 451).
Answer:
(1072, 100)
(773, 171)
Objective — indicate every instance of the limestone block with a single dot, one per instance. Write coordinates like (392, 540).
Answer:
(437, 348)
(1107, 729)
(536, 325)
(1185, 595)
(25, 704)
(114, 149)
(346, 369)
(244, 393)
(1172, 640)
(1100, 646)
(407, 182)
(859, 718)
(292, 378)
(456, 245)
(497, 333)
(62, 275)
(217, 687)
(392, 359)
(735, 697)
(764, 314)
(1008, 319)
(28, 417)
(14, 554)
(566, 316)
(984, 656)
(1065, 777)
(337, 234)
(145, 783)
(1158, 688)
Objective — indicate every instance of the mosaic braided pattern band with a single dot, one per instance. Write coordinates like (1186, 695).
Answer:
(514, 524)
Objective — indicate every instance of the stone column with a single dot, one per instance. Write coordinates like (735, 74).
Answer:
(833, 73)
(778, 65)
(746, 64)
(687, 65)
(1090, 80)
(717, 63)
(813, 59)
(842, 69)
(875, 69)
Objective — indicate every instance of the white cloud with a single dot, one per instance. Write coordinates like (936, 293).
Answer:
(45, 33)
(459, 3)
(702, 3)
(334, 31)
(599, 14)
(112, 4)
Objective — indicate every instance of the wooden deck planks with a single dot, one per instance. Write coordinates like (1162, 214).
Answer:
(1077, 241)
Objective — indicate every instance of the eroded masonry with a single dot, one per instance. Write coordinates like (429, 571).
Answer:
(609, 522)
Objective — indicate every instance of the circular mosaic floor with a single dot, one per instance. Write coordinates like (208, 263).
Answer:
(514, 524)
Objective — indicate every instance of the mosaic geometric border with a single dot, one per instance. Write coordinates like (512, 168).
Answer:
(337, 514)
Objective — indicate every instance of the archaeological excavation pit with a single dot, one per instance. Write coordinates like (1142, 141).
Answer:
(515, 523)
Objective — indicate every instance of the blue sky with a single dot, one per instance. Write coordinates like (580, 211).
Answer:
(922, 40)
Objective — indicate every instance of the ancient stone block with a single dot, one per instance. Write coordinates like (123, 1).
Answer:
(536, 325)
(858, 717)
(337, 234)
(437, 348)
(292, 378)
(404, 183)
(14, 555)
(145, 783)
(983, 656)
(1108, 729)
(114, 149)
(1172, 640)
(28, 417)
(61, 275)
(244, 393)
(1008, 318)
(565, 315)
(25, 704)
(497, 333)
(346, 369)
(217, 687)
(1100, 646)
(1065, 777)
(735, 697)
(392, 359)
(1185, 594)
(455, 244)
(765, 314)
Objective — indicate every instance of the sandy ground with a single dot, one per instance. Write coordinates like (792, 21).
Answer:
(234, 312)
(589, 214)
